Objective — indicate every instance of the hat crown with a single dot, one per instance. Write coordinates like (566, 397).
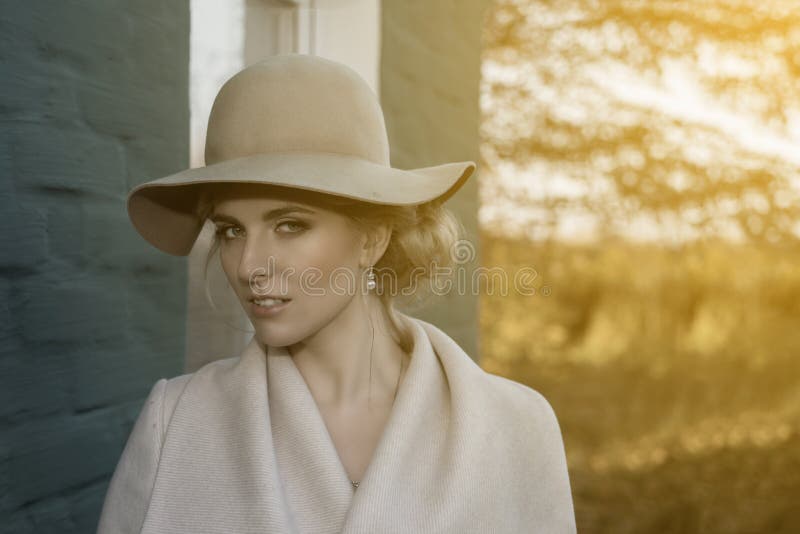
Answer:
(296, 102)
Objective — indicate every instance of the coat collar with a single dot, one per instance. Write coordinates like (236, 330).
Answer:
(316, 483)
(247, 450)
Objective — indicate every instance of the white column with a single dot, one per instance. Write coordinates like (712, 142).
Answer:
(217, 52)
(347, 31)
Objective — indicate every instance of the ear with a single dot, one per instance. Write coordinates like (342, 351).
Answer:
(375, 242)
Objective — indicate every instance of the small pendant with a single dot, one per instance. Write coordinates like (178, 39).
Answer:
(354, 483)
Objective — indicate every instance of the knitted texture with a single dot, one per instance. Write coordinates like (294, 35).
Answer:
(246, 450)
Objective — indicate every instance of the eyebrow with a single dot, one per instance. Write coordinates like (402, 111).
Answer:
(266, 216)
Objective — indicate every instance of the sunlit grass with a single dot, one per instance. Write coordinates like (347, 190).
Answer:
(667, 367)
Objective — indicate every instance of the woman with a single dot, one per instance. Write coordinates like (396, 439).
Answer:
(342, 414)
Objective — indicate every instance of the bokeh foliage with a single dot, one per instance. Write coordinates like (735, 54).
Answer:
(672, 362)
(682, 112)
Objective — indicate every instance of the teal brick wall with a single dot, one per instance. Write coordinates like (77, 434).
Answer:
(93, 100)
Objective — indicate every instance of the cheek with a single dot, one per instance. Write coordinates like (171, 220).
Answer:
(329, 265)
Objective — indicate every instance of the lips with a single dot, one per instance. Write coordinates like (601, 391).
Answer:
(271, 310)
(254, 298)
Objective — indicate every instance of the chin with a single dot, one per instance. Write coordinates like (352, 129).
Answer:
(281, 333)
(276, 337)
(289, 332)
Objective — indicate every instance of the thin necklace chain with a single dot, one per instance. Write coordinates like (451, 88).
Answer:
(355, 483)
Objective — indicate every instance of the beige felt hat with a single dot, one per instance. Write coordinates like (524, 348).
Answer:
(292, 120)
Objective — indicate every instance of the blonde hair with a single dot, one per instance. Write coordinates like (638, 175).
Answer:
(423, 237)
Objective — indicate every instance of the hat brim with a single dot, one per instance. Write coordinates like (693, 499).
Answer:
(163, 210)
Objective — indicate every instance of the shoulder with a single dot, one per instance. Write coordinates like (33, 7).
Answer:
(536, 435)
(174, 387)
(536, 451)
(528, 407)
(506, 399)
(518, 394)
(515, 407)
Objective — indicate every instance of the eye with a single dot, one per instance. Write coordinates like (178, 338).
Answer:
(299, 226)
(222, 231)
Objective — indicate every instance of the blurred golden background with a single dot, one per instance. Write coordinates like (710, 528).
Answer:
(643, 157)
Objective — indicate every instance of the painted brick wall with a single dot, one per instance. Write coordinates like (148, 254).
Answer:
(430, 84)
(93, 100)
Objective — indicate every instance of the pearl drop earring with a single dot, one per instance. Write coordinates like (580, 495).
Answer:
(371, 283)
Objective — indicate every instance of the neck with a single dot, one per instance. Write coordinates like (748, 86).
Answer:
(335, 361)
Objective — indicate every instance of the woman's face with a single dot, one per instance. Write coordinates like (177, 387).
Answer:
(275, 245)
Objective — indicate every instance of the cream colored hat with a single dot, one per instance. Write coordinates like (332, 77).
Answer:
(292, 120)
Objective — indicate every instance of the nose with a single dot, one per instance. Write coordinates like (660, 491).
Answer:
(256, 265)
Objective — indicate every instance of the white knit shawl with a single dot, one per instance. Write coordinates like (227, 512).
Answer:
(246, 450)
